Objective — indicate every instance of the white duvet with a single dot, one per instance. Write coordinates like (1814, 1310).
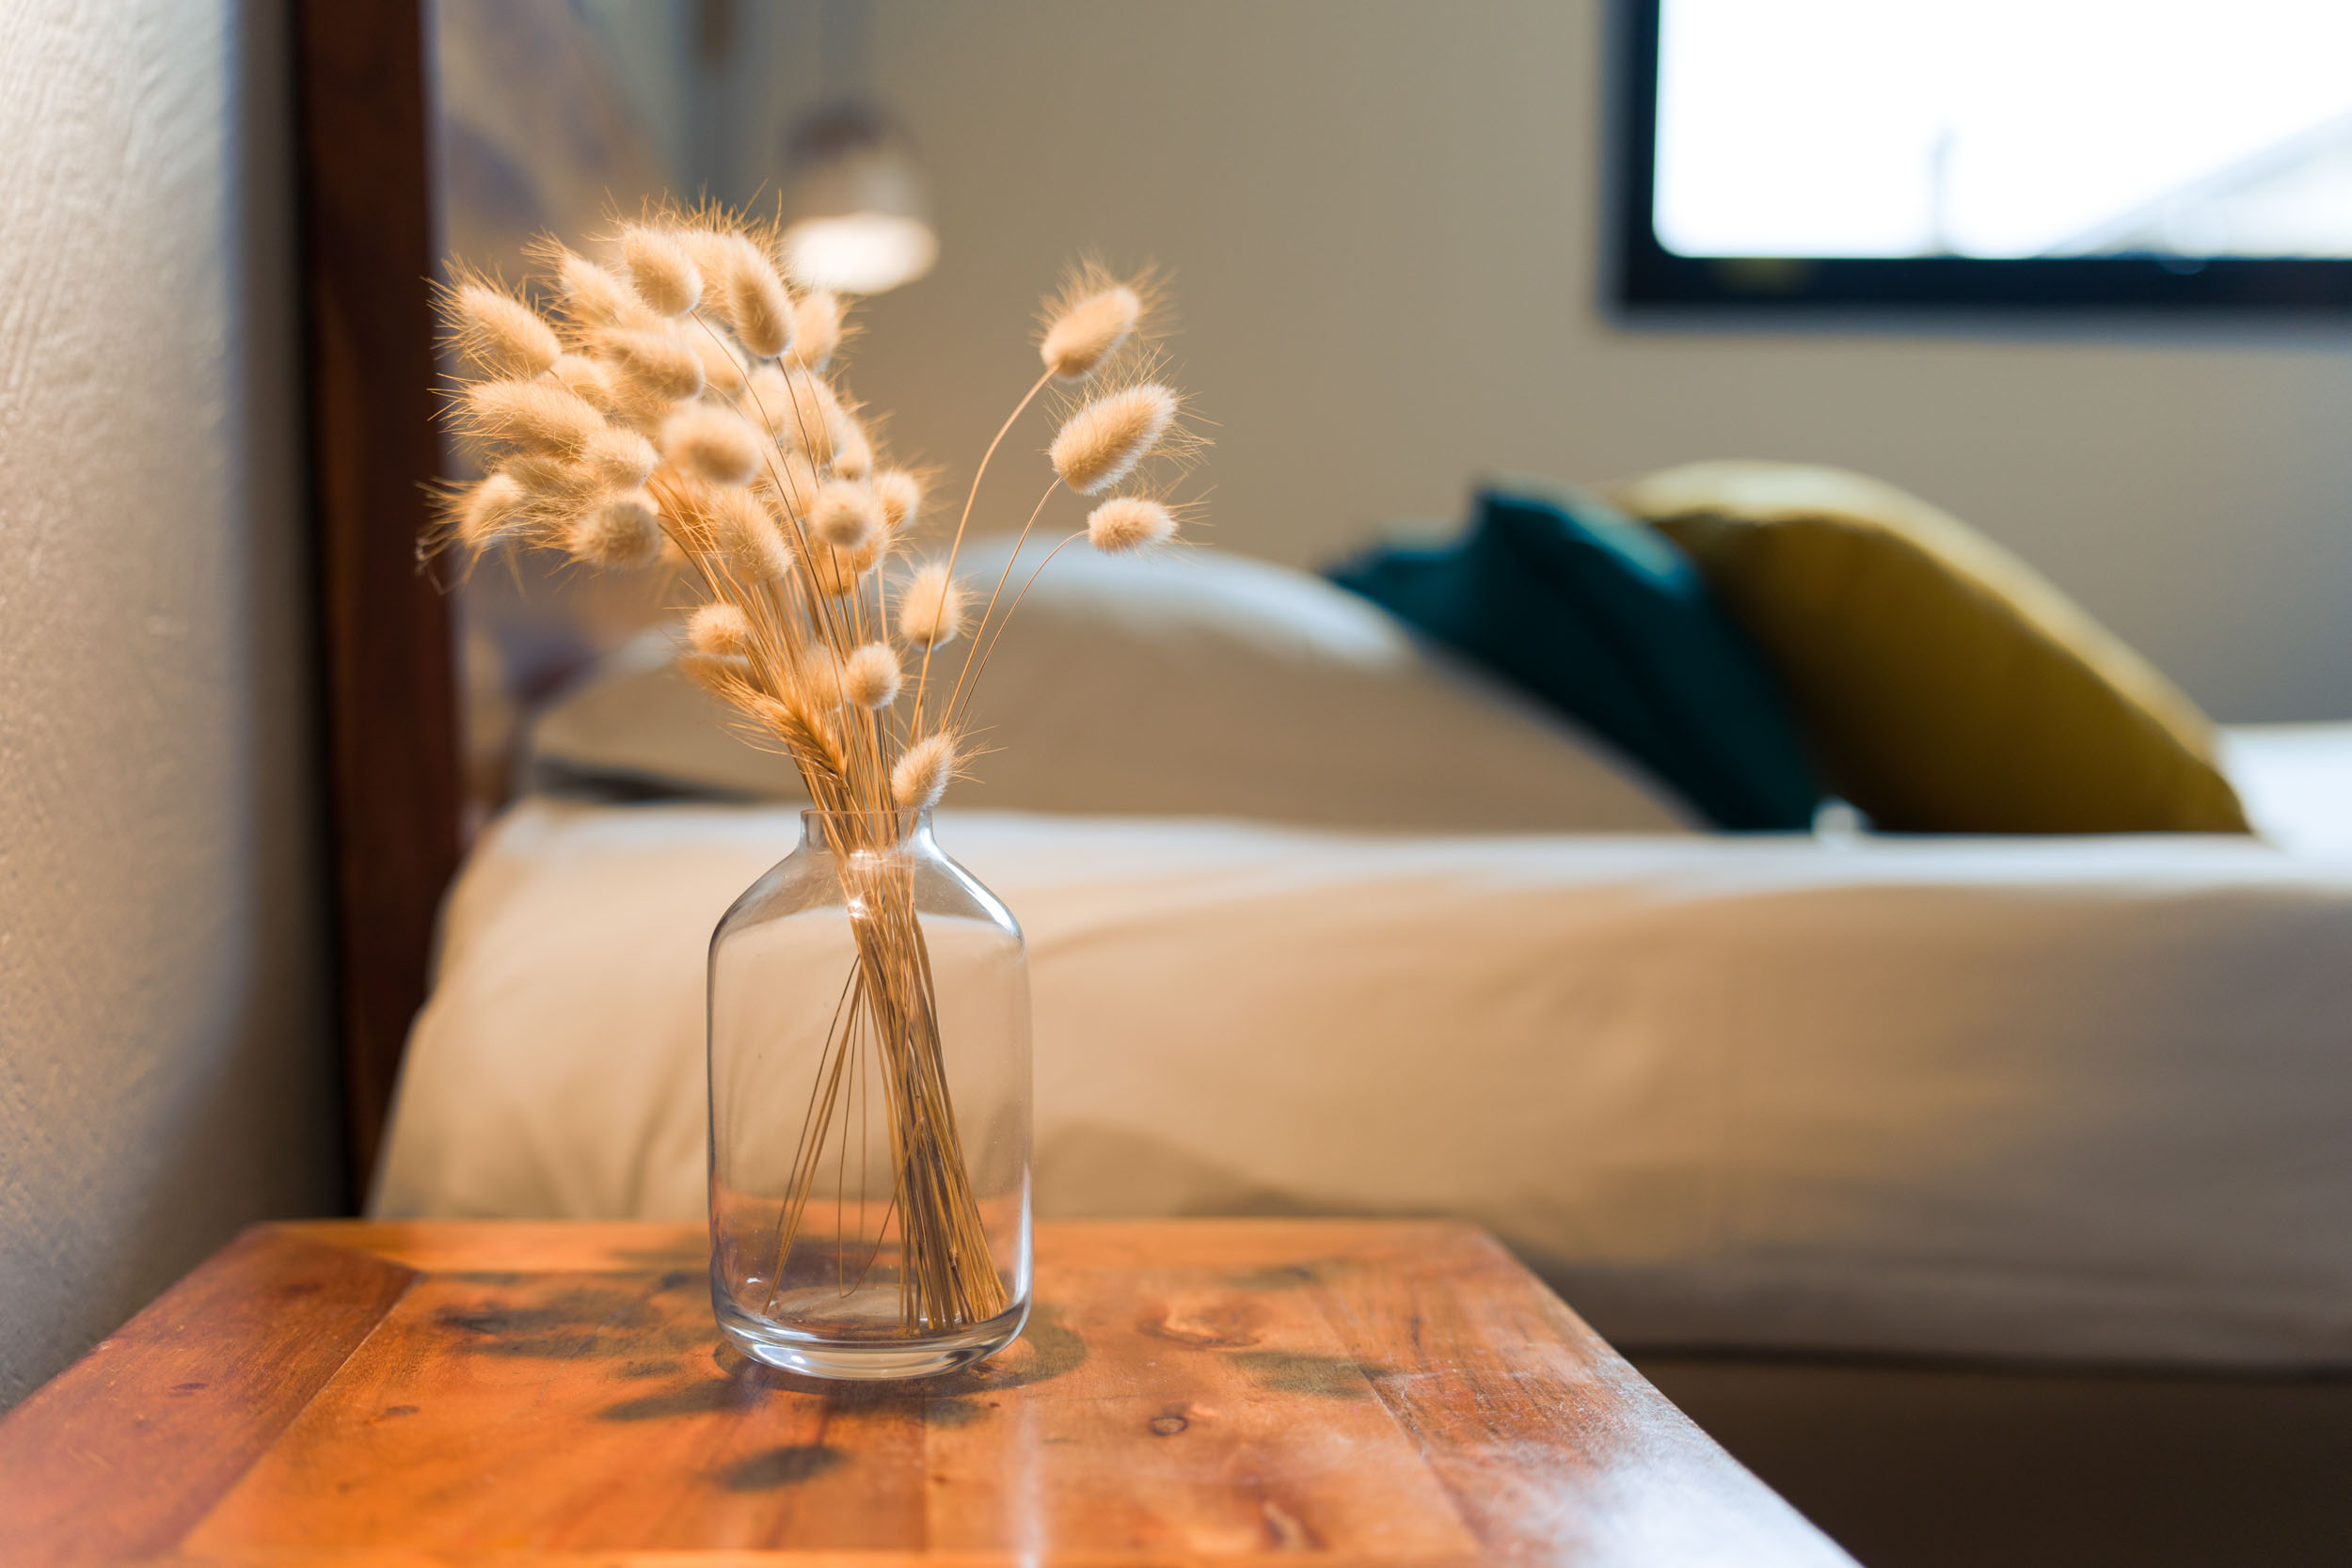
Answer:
(2074, 1098)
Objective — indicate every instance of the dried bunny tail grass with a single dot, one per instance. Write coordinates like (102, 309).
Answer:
(871, 677)
(801, 728)
(589, 295)
(618, 458)
(744, 530)
(846, 516)
(1097, 314)
(791, 481)
(584, 379)
(530, 416)
(930, 608)
(662, 270)
(1127, 523)
(490, 510)
(835, 574)
(711, 444)
(655, 363)
(501, 333)
(817, 329)
(555, 483)
(704, 238)
(853, 453)
(817, 680)
(619, 531)
(923, 774)
(1101, 442)
(901, 497)
(798, 409)
(723, 368)
(751, 294)
(720, 630)
(723, 675)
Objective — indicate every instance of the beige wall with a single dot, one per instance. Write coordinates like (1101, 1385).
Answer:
(1381, 217)
(162, 1072)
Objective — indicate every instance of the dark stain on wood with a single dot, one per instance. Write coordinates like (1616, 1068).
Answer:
(576, 1319)
(788, 1465)
(956, 1410)
(1296, 1372)
(690, 1398)
(1283, 1277)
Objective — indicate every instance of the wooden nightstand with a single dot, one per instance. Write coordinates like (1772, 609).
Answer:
(1187, 1391)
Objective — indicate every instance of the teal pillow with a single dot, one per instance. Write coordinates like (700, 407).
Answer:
(1608, 622)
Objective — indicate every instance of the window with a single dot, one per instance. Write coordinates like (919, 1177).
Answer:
(2006, 151)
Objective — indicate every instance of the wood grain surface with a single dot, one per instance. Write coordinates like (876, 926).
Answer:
(1186, 1392)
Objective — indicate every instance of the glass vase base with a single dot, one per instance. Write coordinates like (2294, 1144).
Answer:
(866, 1360)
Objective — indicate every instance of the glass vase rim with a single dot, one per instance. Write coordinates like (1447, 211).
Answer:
(903, 824)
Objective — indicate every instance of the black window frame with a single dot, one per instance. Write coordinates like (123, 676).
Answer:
(1648, 276)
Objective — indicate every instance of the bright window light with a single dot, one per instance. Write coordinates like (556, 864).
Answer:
(2004, 129)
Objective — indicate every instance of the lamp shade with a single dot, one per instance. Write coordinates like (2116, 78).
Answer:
(856, 218)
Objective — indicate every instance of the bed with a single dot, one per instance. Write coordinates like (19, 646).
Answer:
(2072, 1098)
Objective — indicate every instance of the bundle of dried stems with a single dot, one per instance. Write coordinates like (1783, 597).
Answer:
(675, 404)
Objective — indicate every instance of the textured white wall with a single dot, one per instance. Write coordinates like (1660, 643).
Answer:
(1381, 214)
(162, 1072)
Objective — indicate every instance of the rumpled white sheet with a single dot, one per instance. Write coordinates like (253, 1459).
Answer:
(2086, 1098)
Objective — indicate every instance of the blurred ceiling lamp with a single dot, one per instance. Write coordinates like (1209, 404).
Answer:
(855, 220)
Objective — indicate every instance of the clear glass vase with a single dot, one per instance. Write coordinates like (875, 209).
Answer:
(870, 1108)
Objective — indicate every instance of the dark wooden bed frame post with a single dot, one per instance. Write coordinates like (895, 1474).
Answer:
(369, 242)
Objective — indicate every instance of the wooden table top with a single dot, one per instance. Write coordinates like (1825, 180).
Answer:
(1209, 1391)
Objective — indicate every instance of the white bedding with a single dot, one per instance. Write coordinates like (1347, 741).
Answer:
(2070, 1098)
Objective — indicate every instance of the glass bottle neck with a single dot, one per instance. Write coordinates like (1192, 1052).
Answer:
(872, 832)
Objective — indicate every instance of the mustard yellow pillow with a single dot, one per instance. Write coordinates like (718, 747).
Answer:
(1943, 684)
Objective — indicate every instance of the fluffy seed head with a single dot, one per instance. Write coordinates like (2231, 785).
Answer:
(556, 483)
(721, 371)
(756, 303)
(657, 363)
(871, 677)
(815, 328)
(750, 536)
(846, 516)
(835, 574)
(502, 333)
(788, 478)
(818, 682)
(619, 458)
(853, 454)
(1089, 331)
(591, 294)
(584, 379)
(720, 630)
(491, 508)
(619, 531)
(930, 611)
(1126, 523)
(664, 274)
(712, 444)
(532, 415)
(708, 249)
(922, 774)
(719, 675)
(901, 497)
(1100, 444)
(768, 398)
(808, 417)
